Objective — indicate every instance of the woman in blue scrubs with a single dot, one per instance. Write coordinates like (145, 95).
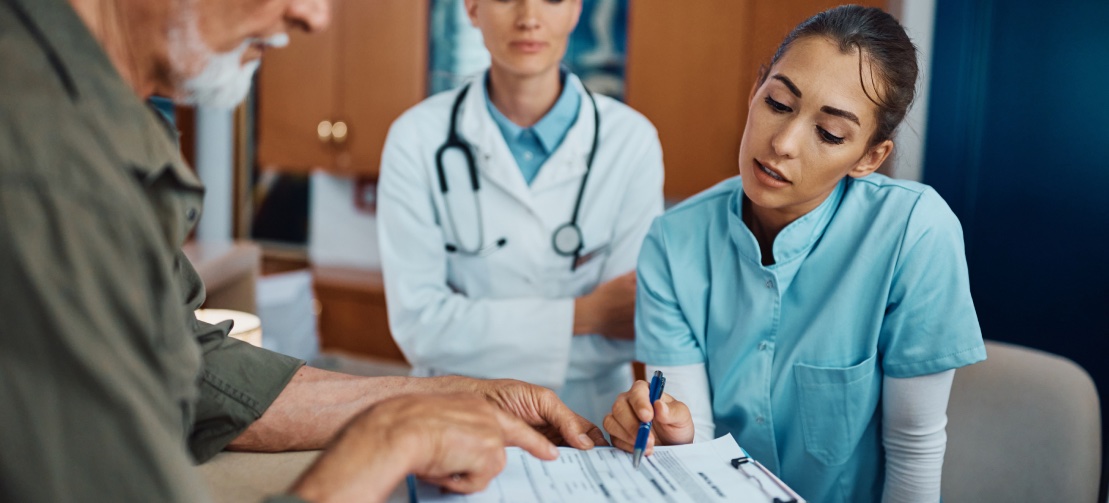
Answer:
(810, 307)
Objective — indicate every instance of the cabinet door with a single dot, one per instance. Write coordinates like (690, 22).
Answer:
(690, 70)
(296, 91)
(353, 316)
(383, 72)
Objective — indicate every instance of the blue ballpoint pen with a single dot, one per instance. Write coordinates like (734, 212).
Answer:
(658, 382)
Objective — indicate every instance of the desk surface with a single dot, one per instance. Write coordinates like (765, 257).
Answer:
(241, 477)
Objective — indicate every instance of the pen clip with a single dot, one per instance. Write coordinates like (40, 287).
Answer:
(658, 382)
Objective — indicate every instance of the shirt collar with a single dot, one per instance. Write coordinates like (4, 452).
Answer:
(552, 127)
(796, 239)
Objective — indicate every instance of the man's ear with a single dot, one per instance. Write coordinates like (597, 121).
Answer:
(471, 11)
(872, 159)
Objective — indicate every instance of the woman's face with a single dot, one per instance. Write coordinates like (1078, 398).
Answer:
(808, 126)
(525, 37)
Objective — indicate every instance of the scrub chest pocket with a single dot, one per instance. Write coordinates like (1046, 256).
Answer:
(837, 405)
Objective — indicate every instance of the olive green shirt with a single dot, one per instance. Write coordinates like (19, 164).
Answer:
(107, 380)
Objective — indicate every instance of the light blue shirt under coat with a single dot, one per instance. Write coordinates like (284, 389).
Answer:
(871, 283)
(532, 146)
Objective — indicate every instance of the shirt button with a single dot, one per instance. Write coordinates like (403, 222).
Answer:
(770, 283)
(760, 419)
(191, 214)
(763, 346)
(527, 156)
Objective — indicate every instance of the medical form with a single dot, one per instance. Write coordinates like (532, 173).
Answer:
(693, 473)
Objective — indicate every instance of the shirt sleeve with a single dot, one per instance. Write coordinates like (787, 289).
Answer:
(238, 382)
(436, 326)
(92, 409)
(930, 323)
(662, 333)
(914, 421)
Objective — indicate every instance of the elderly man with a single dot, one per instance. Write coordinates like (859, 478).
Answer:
(107, 380)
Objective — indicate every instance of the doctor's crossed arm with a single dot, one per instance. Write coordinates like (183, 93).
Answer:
(609, 310)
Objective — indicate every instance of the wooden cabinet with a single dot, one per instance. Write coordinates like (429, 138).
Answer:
(328, 99)
(352, 315)
(690, 69)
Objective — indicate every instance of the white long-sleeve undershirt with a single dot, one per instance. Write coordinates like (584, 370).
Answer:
(914, 418)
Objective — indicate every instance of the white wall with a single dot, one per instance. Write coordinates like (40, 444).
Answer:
(215, 150)
(339, 234)
(918, 18)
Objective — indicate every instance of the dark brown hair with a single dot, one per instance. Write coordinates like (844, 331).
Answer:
(881, 42)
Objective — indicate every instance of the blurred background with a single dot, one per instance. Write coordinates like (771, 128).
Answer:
(1011, 126)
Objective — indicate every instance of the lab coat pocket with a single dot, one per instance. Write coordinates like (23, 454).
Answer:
(837, 405)
(584, 278)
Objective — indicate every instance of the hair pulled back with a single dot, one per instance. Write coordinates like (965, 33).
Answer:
(882, 43)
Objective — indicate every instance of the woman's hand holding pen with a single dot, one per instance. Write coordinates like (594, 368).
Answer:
(673, 423)
(608, 310)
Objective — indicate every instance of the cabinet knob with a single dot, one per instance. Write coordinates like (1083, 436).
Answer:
(339, 132)
(325, 130)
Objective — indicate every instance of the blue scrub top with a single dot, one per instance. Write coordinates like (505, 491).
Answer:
(872, 282)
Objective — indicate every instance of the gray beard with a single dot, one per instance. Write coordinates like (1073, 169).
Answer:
(223, 83)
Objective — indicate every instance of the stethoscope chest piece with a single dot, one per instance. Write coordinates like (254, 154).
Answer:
(567, 239)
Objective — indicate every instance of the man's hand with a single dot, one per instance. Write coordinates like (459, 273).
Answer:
(456, 441)
(609, 310)
(673, 423)
(316, 405)
(537, 406)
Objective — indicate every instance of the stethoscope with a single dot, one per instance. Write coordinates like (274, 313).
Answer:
(567, 239)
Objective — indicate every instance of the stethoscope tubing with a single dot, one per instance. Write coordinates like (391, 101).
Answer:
(453, 141)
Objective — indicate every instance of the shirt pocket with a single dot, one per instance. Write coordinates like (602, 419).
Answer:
(837, 404)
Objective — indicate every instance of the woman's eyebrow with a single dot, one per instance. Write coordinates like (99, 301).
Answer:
(789, 83)
(840, 113)
(826, 109)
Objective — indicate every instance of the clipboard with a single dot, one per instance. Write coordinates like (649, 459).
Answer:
(776, 491)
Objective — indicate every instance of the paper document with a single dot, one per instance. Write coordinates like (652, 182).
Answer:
(693, 473)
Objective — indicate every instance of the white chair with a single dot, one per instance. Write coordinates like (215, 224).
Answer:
(1023, 426)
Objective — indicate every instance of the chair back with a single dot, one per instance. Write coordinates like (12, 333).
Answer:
(1023, 426)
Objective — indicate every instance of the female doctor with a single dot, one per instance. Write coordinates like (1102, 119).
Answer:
(511, 213)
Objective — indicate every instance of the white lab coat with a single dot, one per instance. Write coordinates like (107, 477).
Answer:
(509, 314)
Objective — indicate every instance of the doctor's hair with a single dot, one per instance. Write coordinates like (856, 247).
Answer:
(882, 42)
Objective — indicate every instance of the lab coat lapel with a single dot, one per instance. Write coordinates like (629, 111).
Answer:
(568, 161)
(494, 160)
